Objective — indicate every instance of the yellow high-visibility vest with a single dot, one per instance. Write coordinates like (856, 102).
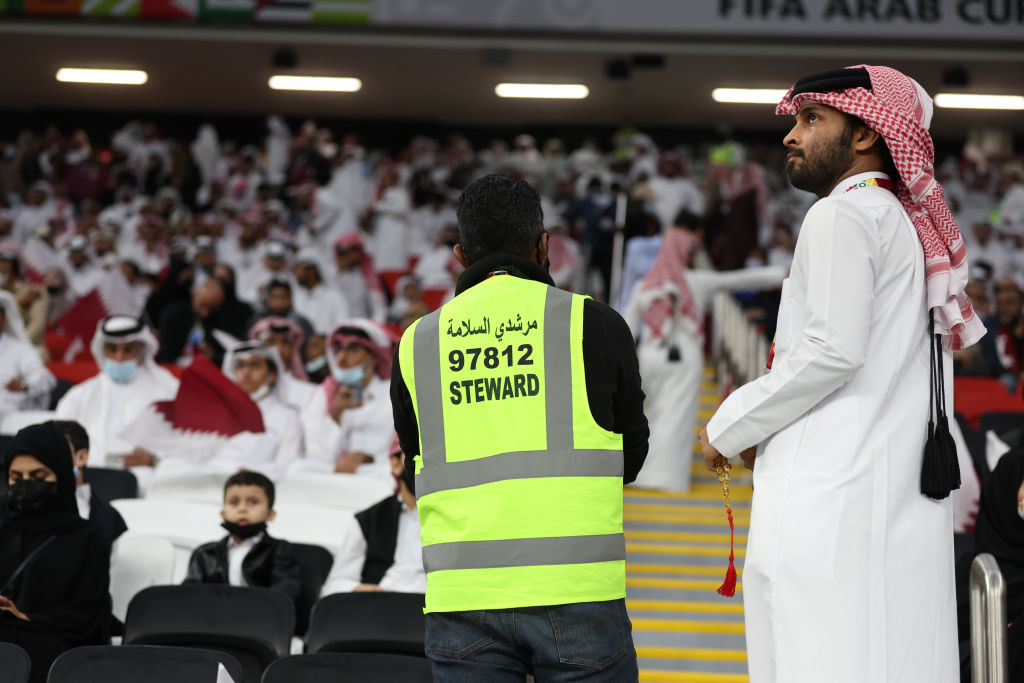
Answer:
(519, 490)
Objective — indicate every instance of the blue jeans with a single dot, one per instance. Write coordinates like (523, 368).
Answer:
(586, 641)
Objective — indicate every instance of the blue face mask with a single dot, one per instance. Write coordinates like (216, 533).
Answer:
(120, 372)
(76, 471)
(316, 364)
(350, 376)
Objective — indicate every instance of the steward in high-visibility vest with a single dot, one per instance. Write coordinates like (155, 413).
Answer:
(519, 491)
(519, 409)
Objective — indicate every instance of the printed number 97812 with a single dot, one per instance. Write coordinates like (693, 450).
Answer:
(492, 357)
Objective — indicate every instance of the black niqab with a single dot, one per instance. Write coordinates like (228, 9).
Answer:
(1000, 530)
(48, 445)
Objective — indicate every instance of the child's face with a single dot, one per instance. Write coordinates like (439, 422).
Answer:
(246, 505)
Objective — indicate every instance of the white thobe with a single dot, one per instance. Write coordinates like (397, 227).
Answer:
(105, 407)
(366, 429)
(85, 279)
(294, 391)
(406, 575)
(324, 307)
(1011, 208)
(849, 568)
(391, 229)
(672, 387)
(674, 194)
(271, 452)
(363, 302)
(432, 268)
(20, 360)
(994, 253)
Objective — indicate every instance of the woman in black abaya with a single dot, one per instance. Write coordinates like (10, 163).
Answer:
(54, 573)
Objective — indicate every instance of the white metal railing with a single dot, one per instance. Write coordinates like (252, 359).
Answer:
(988, 622)
(737, 345)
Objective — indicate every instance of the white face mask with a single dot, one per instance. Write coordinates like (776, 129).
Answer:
(261, 393)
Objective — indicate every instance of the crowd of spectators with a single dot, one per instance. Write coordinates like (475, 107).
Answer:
(295, 263)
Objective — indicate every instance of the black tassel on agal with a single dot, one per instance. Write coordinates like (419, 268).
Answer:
(940, 472)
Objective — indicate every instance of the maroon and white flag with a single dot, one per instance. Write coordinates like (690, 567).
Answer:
(207, 412)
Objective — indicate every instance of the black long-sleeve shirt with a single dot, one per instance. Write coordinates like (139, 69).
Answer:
(609, 362)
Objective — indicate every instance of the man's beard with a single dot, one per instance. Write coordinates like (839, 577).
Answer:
(820, 174)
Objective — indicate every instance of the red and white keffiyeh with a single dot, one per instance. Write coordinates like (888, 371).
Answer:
(667, 283)
(899, 109)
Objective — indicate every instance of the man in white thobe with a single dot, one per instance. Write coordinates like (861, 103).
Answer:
(25, 383)
(849, 567)
(129, 380)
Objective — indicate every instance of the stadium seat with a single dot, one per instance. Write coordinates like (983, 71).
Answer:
(315, 563)
(322, 526)
(189, 486)
(183, 524)
(140, 561)
(390, 623)
(110, 484)
(75, 372)
(14, 663)
(975, 396)
(434, 297)
(349, 667)
(149, 663)
(15, 422)
(350, 492)
(390, 279)
(1002, 422)
(254, 625)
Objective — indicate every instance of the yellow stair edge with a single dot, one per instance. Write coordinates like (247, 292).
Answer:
(684, 606)
(665, 549)
(675, 569)
(689, 626)
(679, 584)
(697, 492)
(712, 654)
(653, 676)
(713, 511)
(687, 536)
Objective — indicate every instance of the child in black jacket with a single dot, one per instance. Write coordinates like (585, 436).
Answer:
(247, 556)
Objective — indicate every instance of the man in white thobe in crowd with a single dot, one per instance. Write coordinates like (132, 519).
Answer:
(849, 566)
(83, 274)
(128, 382)
(25, 383)
(322, 305)
(347, 423)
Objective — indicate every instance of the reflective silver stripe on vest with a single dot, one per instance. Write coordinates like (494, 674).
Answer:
(518, 465)
(558, 368)
(559, 459)
(429, 396)
(523, 552)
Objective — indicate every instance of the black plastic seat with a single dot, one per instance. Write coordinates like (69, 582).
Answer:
(110, 484)
(315, 563)
(1000, 423)
(390, 623)
(254, 625)
(14, 662)
(149, 663)
(349, 667)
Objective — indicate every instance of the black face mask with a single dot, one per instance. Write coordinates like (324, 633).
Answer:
(30, 496)
(54, 289)
(244, 531)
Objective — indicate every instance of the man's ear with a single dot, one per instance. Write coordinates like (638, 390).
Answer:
(865, 139)
(222, 516)
(460, 256)
(540, 252)
(272, 515)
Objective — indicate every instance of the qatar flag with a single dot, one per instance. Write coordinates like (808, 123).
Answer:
(208, 410)
(112, 296)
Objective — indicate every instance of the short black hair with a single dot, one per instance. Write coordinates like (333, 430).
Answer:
(279, 284)
(247, 478)
(499, 213)
(75, 433)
